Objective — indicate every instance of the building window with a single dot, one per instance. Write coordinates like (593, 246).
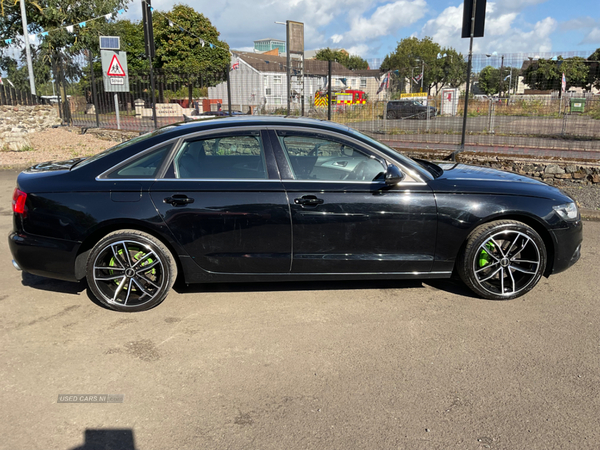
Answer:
(277, 100)
(363, 83)
(276, 79)
(353, 82)
(268, 91)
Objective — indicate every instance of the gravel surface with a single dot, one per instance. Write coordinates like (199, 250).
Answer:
(55, 144)
(63, 143)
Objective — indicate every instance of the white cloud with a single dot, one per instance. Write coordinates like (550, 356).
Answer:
(501, 35)
(593, 37)
(361, 49)
(386, 20)
(578, 23)
(517, 5)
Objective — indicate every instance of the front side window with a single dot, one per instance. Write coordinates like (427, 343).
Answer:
(224, 157)
(323, 159)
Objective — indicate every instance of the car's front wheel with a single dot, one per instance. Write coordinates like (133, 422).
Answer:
(129, 270)
(502, 260)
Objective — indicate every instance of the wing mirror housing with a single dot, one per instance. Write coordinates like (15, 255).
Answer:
(393, 175)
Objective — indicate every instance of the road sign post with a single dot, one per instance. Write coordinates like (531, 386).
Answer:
(473, 26)
(114, 74)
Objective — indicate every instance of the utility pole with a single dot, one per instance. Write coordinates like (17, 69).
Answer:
(27, 49)
(501, 77)
(473, 26)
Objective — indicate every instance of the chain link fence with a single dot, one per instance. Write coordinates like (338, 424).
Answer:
(518, 100)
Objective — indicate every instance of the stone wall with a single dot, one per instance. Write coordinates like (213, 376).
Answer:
(549, 171)
(16, 122)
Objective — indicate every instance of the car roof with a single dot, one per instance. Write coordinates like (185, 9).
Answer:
(245, 120)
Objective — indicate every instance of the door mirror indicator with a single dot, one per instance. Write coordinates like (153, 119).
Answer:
(393, 175)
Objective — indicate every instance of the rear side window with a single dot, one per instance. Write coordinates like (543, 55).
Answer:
(122, 145)
(223, 157)
(146, 166)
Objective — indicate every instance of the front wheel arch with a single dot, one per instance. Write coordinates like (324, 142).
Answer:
(502, 260)
(527, 220)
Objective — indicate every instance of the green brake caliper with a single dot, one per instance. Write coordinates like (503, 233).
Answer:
(484, 256)
(136, 257)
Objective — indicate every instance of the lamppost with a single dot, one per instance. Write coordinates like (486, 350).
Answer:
(422, 71)
(412, 78)
(27, 49)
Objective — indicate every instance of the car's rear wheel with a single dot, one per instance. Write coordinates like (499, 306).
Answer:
(502, 260)
(129, 270)
(391, 115)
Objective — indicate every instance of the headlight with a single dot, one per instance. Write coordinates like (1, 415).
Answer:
(568, 211)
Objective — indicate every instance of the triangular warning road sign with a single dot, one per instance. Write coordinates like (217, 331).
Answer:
(115, 69)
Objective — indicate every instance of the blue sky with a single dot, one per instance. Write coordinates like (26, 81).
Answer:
(372, 29)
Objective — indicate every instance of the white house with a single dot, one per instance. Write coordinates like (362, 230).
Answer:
(259, 81)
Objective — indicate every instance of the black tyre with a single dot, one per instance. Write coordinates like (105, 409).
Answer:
(129, 270)
(502, 260)
(391, 115)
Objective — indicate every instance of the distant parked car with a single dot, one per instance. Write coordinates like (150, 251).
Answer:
(223, 113)
(408, 109)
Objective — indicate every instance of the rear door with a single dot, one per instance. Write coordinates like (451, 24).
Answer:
(345, 219)
(224, 202)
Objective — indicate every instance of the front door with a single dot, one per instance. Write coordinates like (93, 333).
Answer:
(344, 217)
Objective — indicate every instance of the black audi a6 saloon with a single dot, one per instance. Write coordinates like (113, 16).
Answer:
(266, 198)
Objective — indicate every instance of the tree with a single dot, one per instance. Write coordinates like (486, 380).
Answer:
(489, 80)
(450, 70)
(594, 65)
(51, 16)
(546, 74)
(413, 54)
(181, 52)
(351, 62)
(493, 81)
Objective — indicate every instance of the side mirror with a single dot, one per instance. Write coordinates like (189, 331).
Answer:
(393, 175)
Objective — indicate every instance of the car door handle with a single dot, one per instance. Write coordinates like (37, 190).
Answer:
(308, 200)
(179, 200)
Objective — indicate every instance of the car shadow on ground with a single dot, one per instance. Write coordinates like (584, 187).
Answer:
(450, 286)
(49, 284)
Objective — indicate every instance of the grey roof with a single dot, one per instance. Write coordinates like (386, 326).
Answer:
(270, 63)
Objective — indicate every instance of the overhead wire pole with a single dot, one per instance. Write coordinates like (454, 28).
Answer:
(469, 65)
(329, 89)
(27, 49)
(149, 38)
(289, 61)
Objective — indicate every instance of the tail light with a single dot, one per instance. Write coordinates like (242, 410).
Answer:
(18, 202)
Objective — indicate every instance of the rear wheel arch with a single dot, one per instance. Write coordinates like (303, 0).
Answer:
(130, 270)
(98, 234)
